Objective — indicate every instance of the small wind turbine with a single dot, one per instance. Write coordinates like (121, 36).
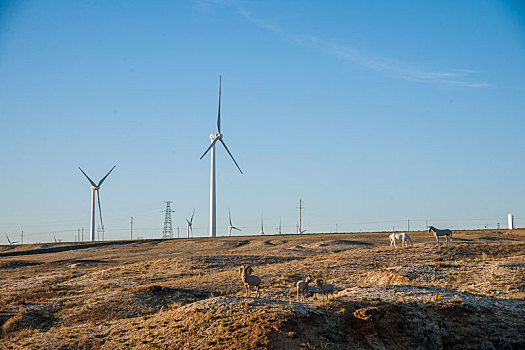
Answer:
(95, 188)
(9, 241)
(230, 226)
(214, 138)
(189, 225)
(262, 226)
(56, 240)
(279, 228)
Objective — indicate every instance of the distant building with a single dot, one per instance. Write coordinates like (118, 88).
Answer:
(511, 221)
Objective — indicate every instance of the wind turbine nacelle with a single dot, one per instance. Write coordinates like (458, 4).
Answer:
(214, 136)
(94, 188)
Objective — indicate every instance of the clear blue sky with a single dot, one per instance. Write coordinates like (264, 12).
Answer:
(372, 112)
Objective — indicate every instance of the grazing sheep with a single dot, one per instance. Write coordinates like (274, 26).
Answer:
(326, 288)
(249, 280)
(302, 288)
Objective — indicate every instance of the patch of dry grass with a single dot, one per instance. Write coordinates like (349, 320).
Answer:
(179, 292)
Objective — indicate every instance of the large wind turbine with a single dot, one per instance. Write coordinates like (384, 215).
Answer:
(214, 138)
(189, 225)
(230, 226)
(95, 188)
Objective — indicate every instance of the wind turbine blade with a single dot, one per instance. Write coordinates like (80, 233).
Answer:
(104, 178)
(213, 143)
(227, 150)
(229, 216)
(188, 221)
(219, 113)
(92, 183)
(100, 211)
(8, 240)
(191, 221)
(235, 228)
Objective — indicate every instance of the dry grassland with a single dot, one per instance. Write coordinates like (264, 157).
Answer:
(187, 294)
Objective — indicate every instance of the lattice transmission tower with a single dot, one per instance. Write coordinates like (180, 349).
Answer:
(168, 229)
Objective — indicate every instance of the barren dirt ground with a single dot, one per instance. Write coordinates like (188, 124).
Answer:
(187, 293)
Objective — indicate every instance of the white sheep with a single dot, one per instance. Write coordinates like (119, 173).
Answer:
(249, 280)
(326, 288)
(302, 288)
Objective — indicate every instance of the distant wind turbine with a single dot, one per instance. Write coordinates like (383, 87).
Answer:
(189, 225)
(230, 226)
(9, 241)
(95, 188)
(279, 228)
(262, 226)
(214, 138)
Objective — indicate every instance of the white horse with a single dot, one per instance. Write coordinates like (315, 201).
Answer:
(401, 236)
(437, 233)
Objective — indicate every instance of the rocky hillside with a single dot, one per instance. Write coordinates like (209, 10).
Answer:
(187, 293)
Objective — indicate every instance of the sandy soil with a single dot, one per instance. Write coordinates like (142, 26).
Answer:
(187, 293)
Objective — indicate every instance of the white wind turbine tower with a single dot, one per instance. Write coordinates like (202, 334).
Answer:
(95, 188)
(230, 226)
(279, 228)
(262, 226)
(214, 138)
(9, 241)
(189, 225)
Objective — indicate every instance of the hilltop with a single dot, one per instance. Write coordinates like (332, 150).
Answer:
(187, 293)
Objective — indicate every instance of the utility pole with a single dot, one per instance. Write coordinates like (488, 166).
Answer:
(82, 234)
(498, 225)
(78, 235)
(300, 215)
(426, 224)
(168, 230)
(178, 232)
(22, 238)
(131, 230)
